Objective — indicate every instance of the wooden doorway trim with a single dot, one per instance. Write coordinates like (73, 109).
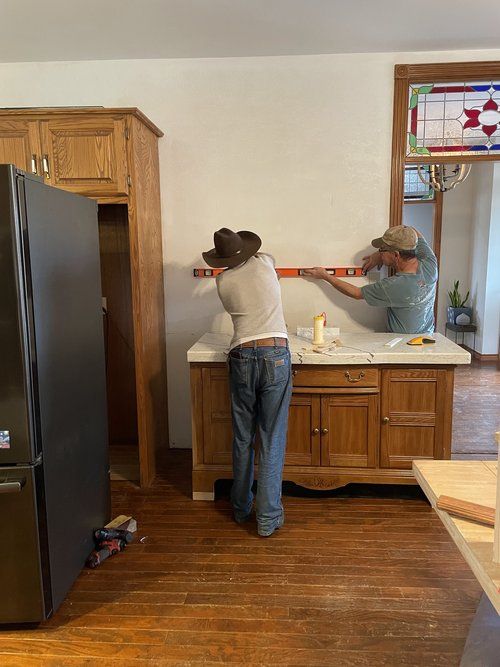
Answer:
(404, 75)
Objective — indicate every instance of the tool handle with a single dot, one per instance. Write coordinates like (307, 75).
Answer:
(96, 557)
(102, 534)
(107, 549)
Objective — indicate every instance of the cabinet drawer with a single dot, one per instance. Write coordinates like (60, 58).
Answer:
(354, 376)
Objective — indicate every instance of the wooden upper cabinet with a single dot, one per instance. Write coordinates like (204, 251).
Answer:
(20, 144)
(89, 150)
(85, 155)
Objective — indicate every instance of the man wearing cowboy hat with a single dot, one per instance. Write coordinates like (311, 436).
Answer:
(259, 373)
(410, 293)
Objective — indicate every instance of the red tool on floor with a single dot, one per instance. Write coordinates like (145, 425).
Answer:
(109, 541)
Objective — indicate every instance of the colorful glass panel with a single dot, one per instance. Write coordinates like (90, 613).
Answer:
(452, 119)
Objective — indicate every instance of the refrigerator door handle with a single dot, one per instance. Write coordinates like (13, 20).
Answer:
(12, 487)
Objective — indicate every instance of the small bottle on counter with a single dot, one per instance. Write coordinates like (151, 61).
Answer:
(319, 328)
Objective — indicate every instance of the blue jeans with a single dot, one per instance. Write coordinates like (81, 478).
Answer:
(261, 388)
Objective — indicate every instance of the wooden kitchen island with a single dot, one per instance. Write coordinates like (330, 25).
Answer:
(362, 413)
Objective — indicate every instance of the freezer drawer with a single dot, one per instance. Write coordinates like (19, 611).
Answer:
(21, 582)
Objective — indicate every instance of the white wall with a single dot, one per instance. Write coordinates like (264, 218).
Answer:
(297, 149)
(420, 216)
(470, 252)
(489, 333)
(480, 234)
(458, 213)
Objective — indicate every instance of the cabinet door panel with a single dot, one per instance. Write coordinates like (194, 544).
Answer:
(86, 155)
(303, 445)
(20, 144)
(217, 428)
(414, 405)
(352, 433)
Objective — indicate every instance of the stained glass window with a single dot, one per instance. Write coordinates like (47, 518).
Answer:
(415, 189)
(455, 119)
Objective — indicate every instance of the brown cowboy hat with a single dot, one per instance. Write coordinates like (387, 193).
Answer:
(231, 248)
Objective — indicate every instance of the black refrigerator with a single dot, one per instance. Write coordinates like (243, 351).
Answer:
(54, 472)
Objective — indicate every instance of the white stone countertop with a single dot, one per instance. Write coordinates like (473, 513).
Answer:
(356, 348)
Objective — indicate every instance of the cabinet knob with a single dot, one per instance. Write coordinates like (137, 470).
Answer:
(315, 431)
(385, 420)
(294, 372)
(324, 431)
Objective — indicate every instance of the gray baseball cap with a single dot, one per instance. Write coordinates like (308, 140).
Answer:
(397, 238)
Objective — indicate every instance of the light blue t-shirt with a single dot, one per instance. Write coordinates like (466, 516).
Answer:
(408, 297)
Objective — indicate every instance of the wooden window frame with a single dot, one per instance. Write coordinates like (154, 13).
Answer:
(404, 76)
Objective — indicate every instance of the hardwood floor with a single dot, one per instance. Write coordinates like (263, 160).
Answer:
(476, 413)
(359, 576)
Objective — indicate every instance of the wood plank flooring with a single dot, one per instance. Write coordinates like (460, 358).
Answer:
(476, 411)
(359, 576)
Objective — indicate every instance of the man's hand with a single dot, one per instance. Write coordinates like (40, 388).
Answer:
(372, 261)
(317, 272)
(340, 285)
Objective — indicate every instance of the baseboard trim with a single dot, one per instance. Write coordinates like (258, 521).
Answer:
(482, 358)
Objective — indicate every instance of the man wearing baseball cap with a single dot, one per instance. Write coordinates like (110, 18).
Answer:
(410, 293)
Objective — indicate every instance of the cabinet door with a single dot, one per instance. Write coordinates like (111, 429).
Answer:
(303, 442)
(85, 155)
(349, 430)
(414, 405)
(217, 428)
(20, 144)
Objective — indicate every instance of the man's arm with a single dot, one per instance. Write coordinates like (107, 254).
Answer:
(426, 257)
(340, 285)
(423, 249)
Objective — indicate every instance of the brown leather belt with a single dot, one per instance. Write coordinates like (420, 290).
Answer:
(265, 342)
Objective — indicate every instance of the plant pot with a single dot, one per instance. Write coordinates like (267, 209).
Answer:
(464, 313)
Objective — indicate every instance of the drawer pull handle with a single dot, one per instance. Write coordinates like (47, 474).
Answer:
(351, 379)
(315, 431)
(324, 431)
(45, 163)
(386, 420)
(12, 486)
(294, 372)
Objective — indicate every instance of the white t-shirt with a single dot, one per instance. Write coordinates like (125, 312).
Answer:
(251, 294)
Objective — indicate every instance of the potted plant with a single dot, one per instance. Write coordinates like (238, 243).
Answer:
(458, 312)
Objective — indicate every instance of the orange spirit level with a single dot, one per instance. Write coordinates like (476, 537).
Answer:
(339, 272)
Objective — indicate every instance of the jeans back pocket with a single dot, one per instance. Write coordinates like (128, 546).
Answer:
(238, 370)
(278, 366)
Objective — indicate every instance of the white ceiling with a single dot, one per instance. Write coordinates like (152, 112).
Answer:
(46, 30)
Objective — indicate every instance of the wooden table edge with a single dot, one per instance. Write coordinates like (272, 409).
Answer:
(484, 580)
